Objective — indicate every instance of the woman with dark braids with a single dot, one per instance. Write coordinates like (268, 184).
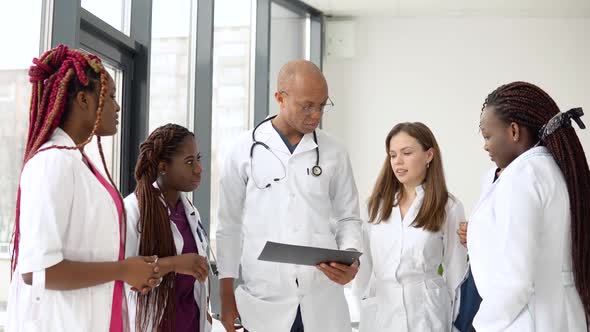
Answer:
(163, 222)
(69, 242)
(529, 236)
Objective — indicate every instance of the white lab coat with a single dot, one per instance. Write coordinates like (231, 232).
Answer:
(65, 213)
(201, 289)
(296, 210)
(520, 250)
(399, 283)
(487, 181)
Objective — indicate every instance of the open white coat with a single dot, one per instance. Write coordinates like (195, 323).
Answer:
(65, 214)
(301, 209)
(399, 283)
(201, 289)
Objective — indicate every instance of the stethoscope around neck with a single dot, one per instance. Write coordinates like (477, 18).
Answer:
(316, 170)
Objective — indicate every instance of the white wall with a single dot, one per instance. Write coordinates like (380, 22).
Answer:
(439, 71)
(287, 43)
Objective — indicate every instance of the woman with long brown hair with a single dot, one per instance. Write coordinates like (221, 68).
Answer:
(164, 222)
(411, 231)
(528, 238)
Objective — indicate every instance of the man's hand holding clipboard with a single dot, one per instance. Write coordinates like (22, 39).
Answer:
(340, 266)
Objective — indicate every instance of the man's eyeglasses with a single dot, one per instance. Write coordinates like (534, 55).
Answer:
(327, 106)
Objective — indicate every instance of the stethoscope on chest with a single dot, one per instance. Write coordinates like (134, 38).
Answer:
(316, 170)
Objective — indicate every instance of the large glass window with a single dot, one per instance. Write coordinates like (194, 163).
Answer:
(116, 13)
(111, 145)
(171, 69)
(288, 41)
(15, 93)
(231, 86)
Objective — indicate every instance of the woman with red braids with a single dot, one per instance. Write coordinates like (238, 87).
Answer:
(529, 236)
(69, 242)
(164, 222)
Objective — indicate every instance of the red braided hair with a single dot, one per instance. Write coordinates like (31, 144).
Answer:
(57, 76)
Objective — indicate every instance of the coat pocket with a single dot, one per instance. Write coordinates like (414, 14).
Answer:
(255, 312)
(437, 306)
(368, 315)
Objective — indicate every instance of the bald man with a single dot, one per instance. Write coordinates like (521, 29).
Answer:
(287, 181)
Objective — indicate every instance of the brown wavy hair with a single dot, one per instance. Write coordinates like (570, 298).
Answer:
(388, 191)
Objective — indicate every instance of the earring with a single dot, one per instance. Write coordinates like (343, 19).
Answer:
(427, 165)
(515, 139)
(162, 173)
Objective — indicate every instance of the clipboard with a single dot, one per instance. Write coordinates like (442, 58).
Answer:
(303, 255)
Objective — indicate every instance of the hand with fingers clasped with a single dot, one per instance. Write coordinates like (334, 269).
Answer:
(142, 273)
(339, 273)
(191, 264)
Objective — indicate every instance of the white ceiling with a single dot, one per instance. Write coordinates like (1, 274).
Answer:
(454, 8)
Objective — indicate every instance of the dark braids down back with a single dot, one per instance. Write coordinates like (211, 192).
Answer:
(530, 106)
(156, 307)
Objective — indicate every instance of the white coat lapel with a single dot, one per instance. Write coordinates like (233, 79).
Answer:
(268, 134)
(307, 143)
(491, 188)
(178, 241)
(193, 220)
(192, 216)
(487, 193)
(412, 212)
